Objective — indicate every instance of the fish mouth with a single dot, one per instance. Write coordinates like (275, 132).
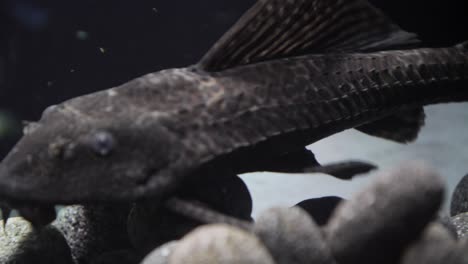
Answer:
(38, 215)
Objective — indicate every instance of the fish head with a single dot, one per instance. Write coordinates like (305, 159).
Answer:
(74, 155)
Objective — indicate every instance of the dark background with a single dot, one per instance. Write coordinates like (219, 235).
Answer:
(53, 50)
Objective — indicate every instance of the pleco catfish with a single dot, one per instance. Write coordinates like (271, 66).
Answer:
(287, 74)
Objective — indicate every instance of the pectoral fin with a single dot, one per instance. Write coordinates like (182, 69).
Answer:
(403, 127)
(303, 161)
(274, 29)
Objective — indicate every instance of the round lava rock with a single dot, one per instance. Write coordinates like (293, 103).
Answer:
(21, 244)
(446, 221)
(381, 220)
(435, 246)
(292, 237)
(93, 230)
(461, 224)
(161, 254)
(220, 244)
(459, 203)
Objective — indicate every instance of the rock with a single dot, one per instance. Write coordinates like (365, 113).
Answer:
(161, 254)
(151, 224)
(461, 224)
(320, 209)
(435, 246)
(375, 225)
(21, 244)
(220, 244)
(118, 257)
(292, 237)
(446, 221)
(459, 203)
(93, 230)
(462, 250)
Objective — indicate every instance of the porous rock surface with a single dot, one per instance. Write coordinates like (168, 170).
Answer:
(91, 231)
(21, 244)
(459, 202)
(461, 224)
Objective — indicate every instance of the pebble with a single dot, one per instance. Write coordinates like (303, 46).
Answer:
(377, 223)
(461, 224)
(21, 244)
(220, 244)
(161, 254)
(459, 203)
(436, 246)
(320, 209)
(462, 248)
(292, 237)
(446, 221)
(150, 224)
(94, 230)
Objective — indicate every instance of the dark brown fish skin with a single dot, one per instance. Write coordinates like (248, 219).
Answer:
(278, 106)
(172, 125)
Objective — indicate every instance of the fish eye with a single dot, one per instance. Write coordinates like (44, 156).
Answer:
(102, 143)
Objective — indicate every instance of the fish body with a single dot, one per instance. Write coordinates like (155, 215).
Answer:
(266, 89)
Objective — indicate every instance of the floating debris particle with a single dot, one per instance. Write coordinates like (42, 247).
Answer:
(82, 35)
(155, 10)
(102, 50)
(50, 83)
(72, 70)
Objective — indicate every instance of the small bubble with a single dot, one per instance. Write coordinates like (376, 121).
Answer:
(82, 35)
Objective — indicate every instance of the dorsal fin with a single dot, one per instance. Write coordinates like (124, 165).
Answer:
(282, 28)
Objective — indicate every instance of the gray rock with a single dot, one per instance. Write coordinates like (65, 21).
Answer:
(377, 223)
(220, 244)
(462, 250)
(118, 257)
(93, 230)
(459, 203)
(446, 221)
(461, 224)
(161, 254)
(292, 237)
(435, 246)
(21, 244)
(150, 224)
